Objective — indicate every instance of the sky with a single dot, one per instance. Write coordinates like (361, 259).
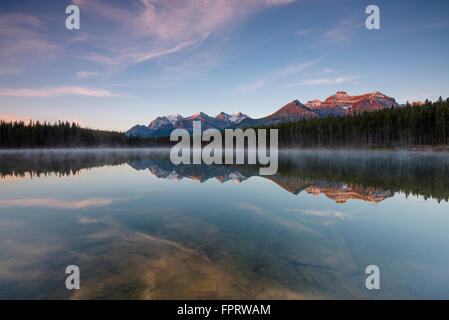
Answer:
(132, 61)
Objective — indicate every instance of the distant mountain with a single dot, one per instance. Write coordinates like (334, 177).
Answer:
(294, 111)
(140, 131)
(163, 126)
(339, 104)
(231, 119)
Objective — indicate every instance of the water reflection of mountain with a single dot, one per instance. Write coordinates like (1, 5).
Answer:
(369, 176)
(343, 192)
(200, 173)
(339, 192)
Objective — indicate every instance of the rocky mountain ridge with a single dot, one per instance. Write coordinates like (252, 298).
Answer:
(339, 104)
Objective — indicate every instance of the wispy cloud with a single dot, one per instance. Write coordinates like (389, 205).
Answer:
(343, 31)
(78, 38)
(87, 74)
(284, 72)
(328, 71)
(297, 68)
(250, 87)
(324, 81)
(302, 32)
(172, 19)
(135, 55)
(156, 54)
(10, 70)
(24, 34)
(157, 28)
(146, 30)
(59, 91)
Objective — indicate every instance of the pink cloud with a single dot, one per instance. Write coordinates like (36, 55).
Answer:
(22, 33)
(58, 91)
(151, 55)
(156, 28)
(86, 74)
(170, 19)
(343, 31)
(139, 31)
(178, 19)
(10, 70)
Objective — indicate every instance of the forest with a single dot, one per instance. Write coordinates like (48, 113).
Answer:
(401, 127)
(64, 135)
(405, 127)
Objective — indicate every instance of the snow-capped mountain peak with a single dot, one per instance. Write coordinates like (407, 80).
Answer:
(339, 104)
(234, 118)
(165, 121)
(173, 118)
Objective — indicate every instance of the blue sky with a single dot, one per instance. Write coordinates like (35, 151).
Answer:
(134, 60)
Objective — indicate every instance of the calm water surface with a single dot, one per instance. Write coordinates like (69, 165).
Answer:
(139, 227)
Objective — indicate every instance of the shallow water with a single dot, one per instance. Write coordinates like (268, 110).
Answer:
(139, 227)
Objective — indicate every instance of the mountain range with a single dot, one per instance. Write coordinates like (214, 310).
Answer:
(339, 104)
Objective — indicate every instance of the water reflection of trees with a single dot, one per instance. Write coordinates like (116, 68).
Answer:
(65, 162)
(415, 173)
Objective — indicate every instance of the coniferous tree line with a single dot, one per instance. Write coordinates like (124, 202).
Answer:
(64, 135)
(400, 127)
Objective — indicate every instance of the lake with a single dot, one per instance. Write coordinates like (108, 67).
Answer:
(139, 227)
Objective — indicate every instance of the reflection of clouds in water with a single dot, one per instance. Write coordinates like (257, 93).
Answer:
(86, 220)
(283, 221)
(156, 190)
(322, 213)
(60, 204)
(249, 207)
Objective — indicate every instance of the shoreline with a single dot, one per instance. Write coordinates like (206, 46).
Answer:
(436, 149)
